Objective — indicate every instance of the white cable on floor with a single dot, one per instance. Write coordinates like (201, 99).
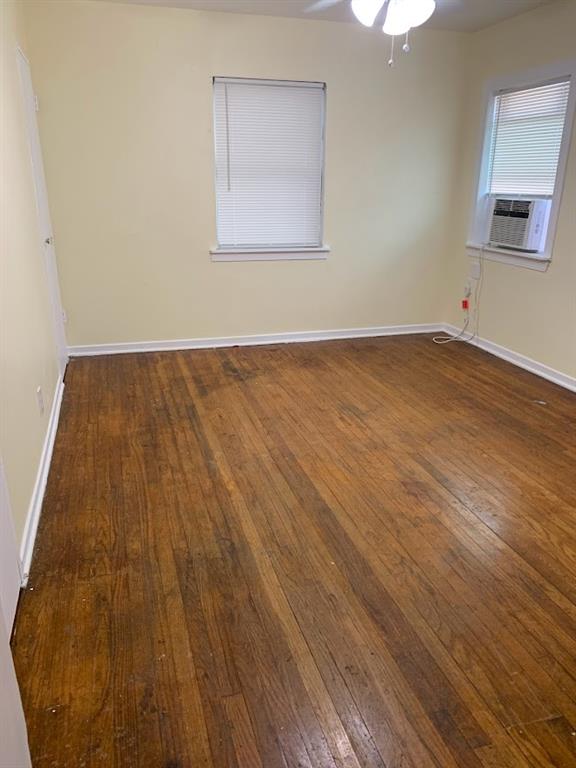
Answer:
(448, 339)
(461, 335)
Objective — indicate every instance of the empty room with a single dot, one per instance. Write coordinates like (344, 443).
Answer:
(288, 384)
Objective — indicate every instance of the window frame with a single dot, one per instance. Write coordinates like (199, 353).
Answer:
(532, 78)
(273, 253)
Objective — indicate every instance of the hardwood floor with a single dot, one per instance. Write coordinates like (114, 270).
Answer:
(352, 554)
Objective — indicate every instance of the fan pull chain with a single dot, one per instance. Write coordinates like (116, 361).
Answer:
(391, 59)
(406, 46)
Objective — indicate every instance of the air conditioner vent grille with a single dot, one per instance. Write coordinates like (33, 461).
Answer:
(514, 208)
(510, 222)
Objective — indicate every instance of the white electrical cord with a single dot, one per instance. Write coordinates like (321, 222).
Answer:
(477, 295)
(448, 339)
(461, 336)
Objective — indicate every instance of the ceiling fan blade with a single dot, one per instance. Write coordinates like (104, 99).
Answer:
(321, 5)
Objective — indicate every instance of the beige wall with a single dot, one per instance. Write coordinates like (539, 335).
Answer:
(530, 312)
(126, 128)
(27, 347)
(126, 123)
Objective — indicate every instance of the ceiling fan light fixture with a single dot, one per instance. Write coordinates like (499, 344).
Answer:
(420, 11)
(367, 10)
(398, 18)
(403, 15)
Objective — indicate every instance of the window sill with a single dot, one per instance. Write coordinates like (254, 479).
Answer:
(270, 254)
(540, 263)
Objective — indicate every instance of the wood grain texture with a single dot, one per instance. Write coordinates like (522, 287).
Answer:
(355, 554)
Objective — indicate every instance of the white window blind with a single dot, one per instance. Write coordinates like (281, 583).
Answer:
(526, 139)
(269, 163)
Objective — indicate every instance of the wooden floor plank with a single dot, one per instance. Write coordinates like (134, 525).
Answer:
(355, 554)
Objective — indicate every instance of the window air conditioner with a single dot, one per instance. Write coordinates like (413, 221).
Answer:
(518, 224)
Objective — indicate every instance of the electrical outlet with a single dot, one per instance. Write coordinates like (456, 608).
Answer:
(40, 400)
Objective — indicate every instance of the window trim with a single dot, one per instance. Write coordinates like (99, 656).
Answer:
(528, 78)
(274, 252)
(312, 253)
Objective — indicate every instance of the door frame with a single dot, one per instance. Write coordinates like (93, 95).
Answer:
(10, 566)
(42, 207)
(13, 733)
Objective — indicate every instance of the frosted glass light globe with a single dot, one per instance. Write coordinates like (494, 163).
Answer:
(403, 15)
(398, 19)
(367, 10)
(420, 11)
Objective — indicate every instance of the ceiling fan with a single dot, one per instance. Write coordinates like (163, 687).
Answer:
(401, 15)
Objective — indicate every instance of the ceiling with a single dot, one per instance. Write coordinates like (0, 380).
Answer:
(458, 15)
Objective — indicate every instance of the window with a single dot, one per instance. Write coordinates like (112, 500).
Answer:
(524, 155)
(526, 139)
(269, 148)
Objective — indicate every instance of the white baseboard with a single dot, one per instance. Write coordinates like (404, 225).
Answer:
(256, 340)
(562, 379)
(568, 382)
(35, 508)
